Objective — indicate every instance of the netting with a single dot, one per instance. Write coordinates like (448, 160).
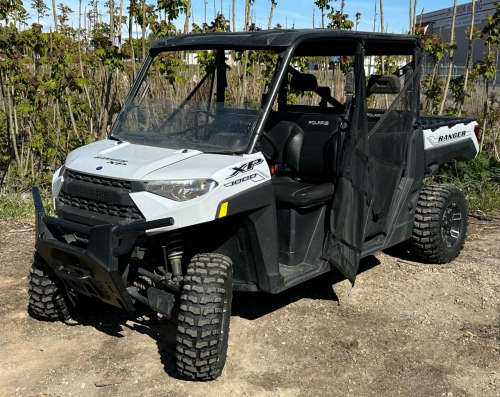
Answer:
(388, 145)
(371, 168)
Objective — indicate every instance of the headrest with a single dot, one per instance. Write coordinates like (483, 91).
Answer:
(304, 82)
(384, 84)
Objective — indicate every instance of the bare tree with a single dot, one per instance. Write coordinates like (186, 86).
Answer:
(144, 29)
(381, 18)
(234, 17)
(273, 6)
(414, 20)
(382, 59)
(410, 31)
(323, 5)
(188, 15)
(111, 21)
(130, 36)
(468, 60)
(55, 14)
(450, 63)
(120, 21)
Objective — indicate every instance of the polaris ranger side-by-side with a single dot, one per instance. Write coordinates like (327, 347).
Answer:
(189, 200)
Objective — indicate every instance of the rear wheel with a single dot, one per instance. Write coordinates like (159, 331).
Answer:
(205, 311)
(440, 224)
(47, 295)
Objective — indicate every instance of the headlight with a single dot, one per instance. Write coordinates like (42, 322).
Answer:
(181, 190)
(61, 171)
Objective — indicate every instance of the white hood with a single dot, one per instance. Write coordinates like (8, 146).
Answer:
(123, 160)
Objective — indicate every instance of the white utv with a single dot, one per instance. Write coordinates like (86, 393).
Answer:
(187, 201)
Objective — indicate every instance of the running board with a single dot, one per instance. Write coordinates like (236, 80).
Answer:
(297, 274)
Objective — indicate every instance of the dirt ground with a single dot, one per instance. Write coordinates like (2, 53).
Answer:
(408, 329)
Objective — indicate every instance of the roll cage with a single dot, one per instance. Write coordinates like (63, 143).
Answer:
(287, 43)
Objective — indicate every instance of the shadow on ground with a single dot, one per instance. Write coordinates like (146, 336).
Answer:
(113, 321)
(252, 305)
(249, 305)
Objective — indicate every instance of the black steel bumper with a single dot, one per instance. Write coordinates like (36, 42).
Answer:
(93, 270)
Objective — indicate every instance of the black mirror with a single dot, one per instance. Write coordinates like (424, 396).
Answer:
(384, 84)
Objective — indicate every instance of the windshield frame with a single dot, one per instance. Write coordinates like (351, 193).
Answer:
(280, 73)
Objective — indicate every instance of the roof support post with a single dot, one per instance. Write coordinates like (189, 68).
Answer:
(271, 97)
(221, 75)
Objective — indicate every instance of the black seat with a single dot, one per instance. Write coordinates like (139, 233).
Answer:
(309, 82)
(307, 155)
(299, 194)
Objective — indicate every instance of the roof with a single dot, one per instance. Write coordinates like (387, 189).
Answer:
(280, 39)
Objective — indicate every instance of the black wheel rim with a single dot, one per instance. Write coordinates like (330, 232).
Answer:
(452, 224)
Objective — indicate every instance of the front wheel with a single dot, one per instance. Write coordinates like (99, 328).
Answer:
(440, 224)
(205, 311)
(47, 295)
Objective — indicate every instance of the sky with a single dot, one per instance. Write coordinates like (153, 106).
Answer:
(287, 12)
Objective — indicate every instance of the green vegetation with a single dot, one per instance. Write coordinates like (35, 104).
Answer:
(62, 89)
(479, 179)
(12, 206)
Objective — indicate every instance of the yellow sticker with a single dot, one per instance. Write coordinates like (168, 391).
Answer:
(223, 210)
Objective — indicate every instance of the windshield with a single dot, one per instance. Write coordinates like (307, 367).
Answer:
(201, 100)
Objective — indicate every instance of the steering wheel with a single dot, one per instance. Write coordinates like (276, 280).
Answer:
(276, 150)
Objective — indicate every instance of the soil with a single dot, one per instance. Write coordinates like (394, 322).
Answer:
(407, 329)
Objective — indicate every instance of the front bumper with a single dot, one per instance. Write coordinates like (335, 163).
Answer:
(92, 266)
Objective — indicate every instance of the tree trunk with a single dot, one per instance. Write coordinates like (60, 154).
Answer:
(381, 17)
(450, 65)
(247, 14)
(120, 27)
(485, 113)
(71, 116)
(80, 55)
(12, 131)
(382, 59)
(131, 40)
(111, 21)
(414, 16)
(234, 17)
(469, 58)
(55, 15)
(188, 15)
(105, 118)
(143, 29)
(410, 24)
(270, 17)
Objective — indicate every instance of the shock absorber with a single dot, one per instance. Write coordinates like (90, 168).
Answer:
(173, 250)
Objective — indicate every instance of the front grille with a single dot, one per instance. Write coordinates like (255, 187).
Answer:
(97, 180)
(100, 207)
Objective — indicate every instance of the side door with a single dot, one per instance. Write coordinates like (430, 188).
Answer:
(372, 165)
